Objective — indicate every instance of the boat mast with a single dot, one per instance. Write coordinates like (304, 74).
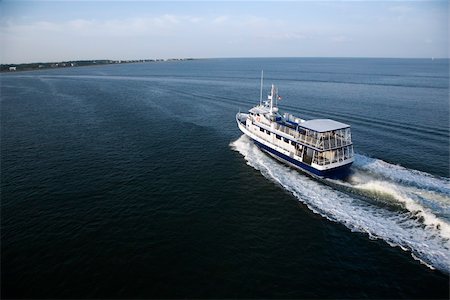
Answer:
(272, 94)
(276, 97)
(260, 90)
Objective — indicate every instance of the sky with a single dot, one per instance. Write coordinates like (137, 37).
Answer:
(51, 31)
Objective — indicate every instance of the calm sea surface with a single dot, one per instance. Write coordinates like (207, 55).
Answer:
(133, 181)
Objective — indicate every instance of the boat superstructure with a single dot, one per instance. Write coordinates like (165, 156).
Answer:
(321, 147)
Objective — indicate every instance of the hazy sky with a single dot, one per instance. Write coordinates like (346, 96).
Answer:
(34, 31)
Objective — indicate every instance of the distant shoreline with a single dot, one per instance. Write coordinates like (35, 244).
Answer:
(76, 63)
(11, 68)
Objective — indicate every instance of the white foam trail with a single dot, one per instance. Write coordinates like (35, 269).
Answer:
(407, 197)
(401, 174)
(422, 233)
(418, 191)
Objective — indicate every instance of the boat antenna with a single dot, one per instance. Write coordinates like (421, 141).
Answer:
(276, 96)
(260, 90)
(272, 94)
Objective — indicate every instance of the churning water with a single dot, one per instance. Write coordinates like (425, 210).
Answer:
(406, 208)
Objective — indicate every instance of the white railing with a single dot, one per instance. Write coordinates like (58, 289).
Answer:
(323, 143)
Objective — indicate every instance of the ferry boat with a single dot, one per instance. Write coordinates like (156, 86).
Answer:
(320, 147)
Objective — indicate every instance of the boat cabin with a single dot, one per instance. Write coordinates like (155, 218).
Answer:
(332, 140)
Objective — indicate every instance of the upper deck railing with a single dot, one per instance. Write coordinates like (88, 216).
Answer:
(319, 140)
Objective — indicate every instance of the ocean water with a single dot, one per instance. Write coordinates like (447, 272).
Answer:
(133, 181)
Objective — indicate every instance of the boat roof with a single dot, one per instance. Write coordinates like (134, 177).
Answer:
(259, 110)
(323, 125)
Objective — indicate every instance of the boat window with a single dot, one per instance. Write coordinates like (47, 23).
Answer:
(261, 129)
(268, 132)
(286, 140)
(292, 143)
(278, 137)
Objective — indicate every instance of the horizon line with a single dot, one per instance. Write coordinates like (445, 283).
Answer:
(230, 57)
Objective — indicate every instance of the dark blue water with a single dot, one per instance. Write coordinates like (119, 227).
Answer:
(133, 181)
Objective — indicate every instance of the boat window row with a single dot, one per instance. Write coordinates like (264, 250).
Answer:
(286, 140)
(287, 130)
(262, 130)
(323, 158)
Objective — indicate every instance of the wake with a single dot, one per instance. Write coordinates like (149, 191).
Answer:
(406, 208)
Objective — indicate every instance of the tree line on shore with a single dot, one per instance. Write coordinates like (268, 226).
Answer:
(74, 63)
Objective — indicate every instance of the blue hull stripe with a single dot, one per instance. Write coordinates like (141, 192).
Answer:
(337, 172)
